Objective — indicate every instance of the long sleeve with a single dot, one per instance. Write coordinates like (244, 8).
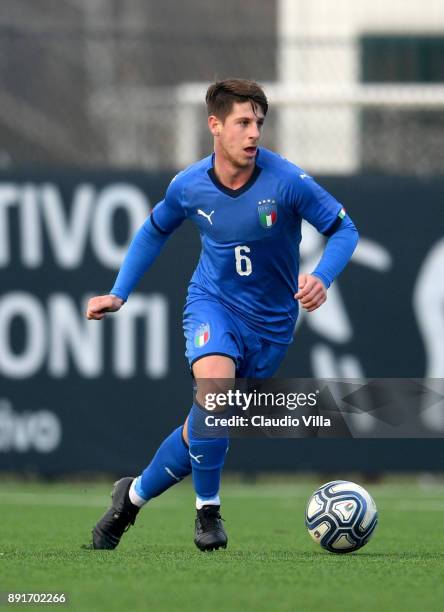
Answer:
(143, 250)
(337, 252)
(146, 245)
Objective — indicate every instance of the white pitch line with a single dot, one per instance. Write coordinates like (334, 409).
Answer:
(61, 499)
(52, 499)
(414, 506)
(416, 501)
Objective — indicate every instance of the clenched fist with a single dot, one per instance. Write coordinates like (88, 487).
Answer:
(100, 305)
(312, 292)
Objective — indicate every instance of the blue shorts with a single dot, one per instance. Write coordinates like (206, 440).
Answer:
(211, 329)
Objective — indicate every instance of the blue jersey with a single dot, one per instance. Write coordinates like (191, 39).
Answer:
(250, 237)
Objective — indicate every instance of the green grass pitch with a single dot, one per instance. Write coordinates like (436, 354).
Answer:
(271, 563)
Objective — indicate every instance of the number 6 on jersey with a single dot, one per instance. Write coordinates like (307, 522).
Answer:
(243, 263)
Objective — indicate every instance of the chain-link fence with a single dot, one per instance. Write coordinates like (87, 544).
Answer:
(353, 85)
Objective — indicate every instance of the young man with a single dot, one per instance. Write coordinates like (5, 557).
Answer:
(248, 204)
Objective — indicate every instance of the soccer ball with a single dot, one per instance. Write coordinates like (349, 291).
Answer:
(341, 516)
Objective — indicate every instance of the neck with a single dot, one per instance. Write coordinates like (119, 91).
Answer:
(229, 175)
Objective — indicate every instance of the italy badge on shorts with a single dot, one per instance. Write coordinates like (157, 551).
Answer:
(267, 211)
(202, 335)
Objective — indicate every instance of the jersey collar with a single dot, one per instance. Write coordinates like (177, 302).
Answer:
(234, 193)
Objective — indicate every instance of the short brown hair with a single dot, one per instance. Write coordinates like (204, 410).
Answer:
(222, 94)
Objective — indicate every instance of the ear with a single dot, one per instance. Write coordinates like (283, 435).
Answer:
(214, 125)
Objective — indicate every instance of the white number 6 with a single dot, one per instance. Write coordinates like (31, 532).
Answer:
(243, 263)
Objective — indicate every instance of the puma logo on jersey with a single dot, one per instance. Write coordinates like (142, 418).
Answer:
(208, 217)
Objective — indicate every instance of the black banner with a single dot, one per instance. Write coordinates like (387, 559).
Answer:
(80, 395)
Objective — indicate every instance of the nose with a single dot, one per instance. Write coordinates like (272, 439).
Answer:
(255, 131)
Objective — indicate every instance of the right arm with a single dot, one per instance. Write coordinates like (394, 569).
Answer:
(143, 250)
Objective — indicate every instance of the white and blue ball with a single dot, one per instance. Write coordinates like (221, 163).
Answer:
(341, 516)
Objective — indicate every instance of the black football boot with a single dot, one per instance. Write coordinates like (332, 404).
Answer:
(117, 519)
(210, 533)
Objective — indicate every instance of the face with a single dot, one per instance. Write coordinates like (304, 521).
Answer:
(237, 137)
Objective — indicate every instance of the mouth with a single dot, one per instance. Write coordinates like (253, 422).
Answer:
(250, 151)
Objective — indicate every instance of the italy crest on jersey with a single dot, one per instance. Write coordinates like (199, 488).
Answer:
(202, 335)
(267, 211)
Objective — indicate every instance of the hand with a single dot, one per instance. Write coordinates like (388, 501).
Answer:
(100, 305)
(312, 292)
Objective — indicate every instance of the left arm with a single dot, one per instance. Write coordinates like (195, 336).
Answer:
(325, 213)
(337, 253)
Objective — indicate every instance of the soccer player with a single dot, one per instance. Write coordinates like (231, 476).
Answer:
(248, 204)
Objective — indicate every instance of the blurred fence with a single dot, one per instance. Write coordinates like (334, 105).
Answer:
(354, 86)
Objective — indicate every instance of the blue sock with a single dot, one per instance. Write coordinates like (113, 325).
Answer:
(169, 465)
(208, 447)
